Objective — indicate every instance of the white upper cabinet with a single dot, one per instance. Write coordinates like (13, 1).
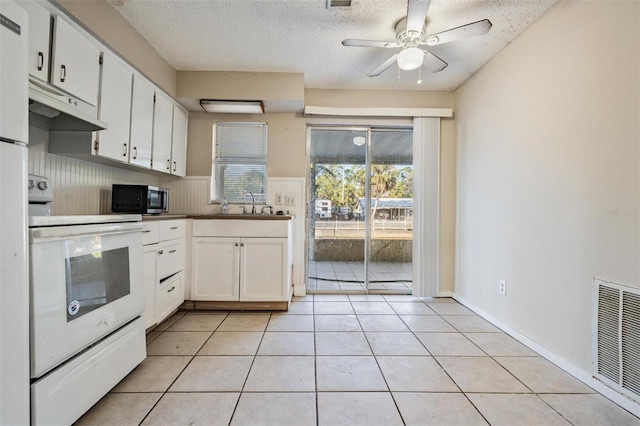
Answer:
(39, 33)
(162, 131)
(141, 122)
(179, 142)
(75, 62)
(145, 126)
(115, 108)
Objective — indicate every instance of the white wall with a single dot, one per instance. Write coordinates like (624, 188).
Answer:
(548, 173)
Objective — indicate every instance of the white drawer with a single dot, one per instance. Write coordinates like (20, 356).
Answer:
(170, 258)
(64, 395)
(170, 296)
(171, 229)
(150, 233)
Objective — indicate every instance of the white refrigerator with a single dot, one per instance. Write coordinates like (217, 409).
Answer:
(14, 262)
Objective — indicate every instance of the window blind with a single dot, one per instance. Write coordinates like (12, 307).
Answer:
(239, 162)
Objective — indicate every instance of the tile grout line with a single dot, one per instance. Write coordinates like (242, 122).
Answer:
(184, 368)
(235, 408)
(315, 362)
(315, 331)
(375, 358)
(440, 365)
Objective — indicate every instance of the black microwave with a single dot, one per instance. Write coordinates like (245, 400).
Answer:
(141, 199)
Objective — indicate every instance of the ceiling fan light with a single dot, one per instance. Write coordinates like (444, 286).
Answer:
(410, 58)
(359, 140)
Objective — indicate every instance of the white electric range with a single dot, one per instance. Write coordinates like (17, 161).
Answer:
(86, 306)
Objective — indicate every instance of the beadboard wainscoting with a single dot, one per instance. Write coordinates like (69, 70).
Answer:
(79, 186)
(189, 195)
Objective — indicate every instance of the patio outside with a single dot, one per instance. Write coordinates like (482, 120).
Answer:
(344, 171)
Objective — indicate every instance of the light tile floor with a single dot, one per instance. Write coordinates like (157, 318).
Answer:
(334, 276)
(347, 360)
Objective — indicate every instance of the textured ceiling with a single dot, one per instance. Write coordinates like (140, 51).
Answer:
(304, 36)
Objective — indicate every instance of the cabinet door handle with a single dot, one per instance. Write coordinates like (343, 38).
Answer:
(135, 152)
(124, 153)
(241, 244)
(175, 166)
(171, 289)
(168, 164)
(172, 251)
(160, 252)
(237, 244)
(63, 73)
(146, 231)
(173, 227)
(40, 61)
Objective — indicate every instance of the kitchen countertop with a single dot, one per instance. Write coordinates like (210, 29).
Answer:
(152, 217)
(156, 217)
(243, 216)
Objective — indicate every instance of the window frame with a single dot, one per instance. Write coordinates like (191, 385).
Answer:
(217, 192)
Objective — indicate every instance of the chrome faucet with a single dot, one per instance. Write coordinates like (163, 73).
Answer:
(267, 207)
(253, 201)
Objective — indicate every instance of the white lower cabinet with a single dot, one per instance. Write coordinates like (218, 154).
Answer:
(163, 268)
(170, 295)
(250, 269)
(216, 268)
(150, 280)
(264, 269)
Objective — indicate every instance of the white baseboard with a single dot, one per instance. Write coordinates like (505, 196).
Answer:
(584, 376)
(445, 294)
(300, 289)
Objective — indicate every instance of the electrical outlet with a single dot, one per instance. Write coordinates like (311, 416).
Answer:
(278, 199)
(502, 288)
(293, 200)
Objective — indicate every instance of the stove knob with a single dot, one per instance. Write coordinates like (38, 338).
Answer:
(42, 185)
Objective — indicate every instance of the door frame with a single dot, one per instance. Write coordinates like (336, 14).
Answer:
(368, 128)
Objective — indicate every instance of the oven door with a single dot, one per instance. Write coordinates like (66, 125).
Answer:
(86, 282)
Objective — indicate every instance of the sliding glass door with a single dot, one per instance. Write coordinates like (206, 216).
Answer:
(391, 207)
(360, 210)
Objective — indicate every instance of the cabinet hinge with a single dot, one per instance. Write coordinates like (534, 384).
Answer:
(101, 59)
(95, 145)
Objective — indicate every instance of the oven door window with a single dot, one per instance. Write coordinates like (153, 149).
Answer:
(96, 279)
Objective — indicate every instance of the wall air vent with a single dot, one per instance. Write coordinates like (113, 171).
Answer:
(617, 337)
(338, 3)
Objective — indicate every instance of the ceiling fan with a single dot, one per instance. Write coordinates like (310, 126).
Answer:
(411, 36)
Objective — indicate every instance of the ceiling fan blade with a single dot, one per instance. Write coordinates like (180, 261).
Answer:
(433, 63)
(383, 67)
(416, 14)
(369, 43)
(470, 30)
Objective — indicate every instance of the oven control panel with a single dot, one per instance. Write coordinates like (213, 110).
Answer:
(40, 191)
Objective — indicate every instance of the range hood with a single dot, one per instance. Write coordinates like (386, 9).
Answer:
(63, 111)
